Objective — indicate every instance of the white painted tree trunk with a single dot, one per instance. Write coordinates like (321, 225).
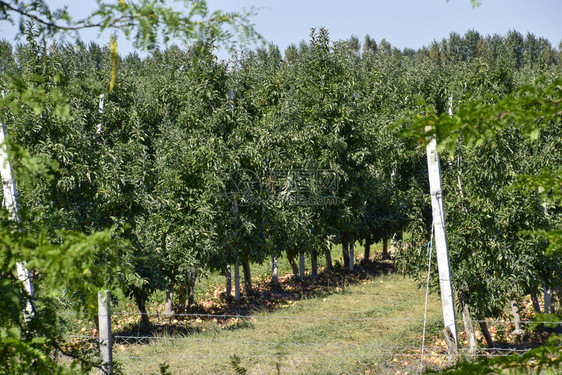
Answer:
(516, 318)
(228, 277)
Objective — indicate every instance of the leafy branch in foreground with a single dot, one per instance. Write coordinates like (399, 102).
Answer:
(536, 361)
(73, 263)
(147, 23)
(530, 108)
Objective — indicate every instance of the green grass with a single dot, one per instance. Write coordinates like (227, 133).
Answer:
(337, 334)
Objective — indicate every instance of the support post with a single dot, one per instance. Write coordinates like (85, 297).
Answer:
(106, 339)
(438, 212)
(11, 204)
(104, 315)
(301, 265)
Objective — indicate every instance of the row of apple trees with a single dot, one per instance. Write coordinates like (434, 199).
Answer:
(199, 164)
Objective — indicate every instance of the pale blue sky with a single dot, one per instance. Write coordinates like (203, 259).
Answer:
(404, 23)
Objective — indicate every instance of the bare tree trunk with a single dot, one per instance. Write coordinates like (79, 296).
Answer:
(385, 254)
(228, 276)
(485, 332)
(182, 299)
(328, 255)
(247, 277)
(547, 300)
(274, 269)
(314, 264)
(352, 253)
(168, 305)
(237, 280)
(516, 318)
(301, 265)
(367, 252)
(536, 304)
(292, 262)
(345, 252)
(467, 321)
(190, 289)
(141, 304)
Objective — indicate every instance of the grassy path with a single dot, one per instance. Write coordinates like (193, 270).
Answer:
(356, 331)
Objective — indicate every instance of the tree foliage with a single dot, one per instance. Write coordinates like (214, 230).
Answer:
(197, 163)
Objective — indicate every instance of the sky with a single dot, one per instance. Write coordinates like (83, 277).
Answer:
(404, 23)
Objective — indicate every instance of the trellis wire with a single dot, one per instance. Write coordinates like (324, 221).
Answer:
(335, 318)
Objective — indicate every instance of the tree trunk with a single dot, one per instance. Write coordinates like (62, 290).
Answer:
(345, 253)
(140, 300)
(228, 276)
(274, 270)
(367, 252)
(247, 277)
(328, 255)
(536, 304)
(190, 290)
(516, 318)
(314, 264)
(485, 332)
(385, 254)
(352, 253)
(182, 299)
(467, 321)
(168, 305)
(237, 280)
(292, 262)
(547, 301)
(301, 265)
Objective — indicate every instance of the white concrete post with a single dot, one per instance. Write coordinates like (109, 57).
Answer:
(438, 212)
(105, 337)
(11, 204)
